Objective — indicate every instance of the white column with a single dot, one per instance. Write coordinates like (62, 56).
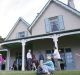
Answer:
(23, 55)
(55, 40)
(8, 60)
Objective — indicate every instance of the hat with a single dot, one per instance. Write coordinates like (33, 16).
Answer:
(48, 57)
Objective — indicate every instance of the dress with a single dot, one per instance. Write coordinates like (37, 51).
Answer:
(56, 57)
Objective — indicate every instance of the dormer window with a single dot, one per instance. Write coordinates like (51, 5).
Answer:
(22, 34)
(55, 23)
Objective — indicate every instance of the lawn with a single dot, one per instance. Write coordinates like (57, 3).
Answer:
(34, 73)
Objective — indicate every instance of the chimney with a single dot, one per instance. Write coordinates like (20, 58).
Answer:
(71, 3)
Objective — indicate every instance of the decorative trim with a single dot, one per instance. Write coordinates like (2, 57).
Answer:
(43, 36)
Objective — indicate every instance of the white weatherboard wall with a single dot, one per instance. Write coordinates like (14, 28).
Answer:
(74, 44)
(20, 28)
(71, 21)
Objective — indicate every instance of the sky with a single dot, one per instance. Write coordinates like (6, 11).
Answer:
(11, 10)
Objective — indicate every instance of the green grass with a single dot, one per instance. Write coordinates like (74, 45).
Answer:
(67, 73)
(34, 73)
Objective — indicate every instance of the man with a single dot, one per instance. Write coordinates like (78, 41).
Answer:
(29, 59)
(56, 58)
(41, 58)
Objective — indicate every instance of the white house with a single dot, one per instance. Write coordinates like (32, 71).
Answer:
(57, 25)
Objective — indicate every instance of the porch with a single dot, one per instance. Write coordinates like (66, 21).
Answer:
(43, 43)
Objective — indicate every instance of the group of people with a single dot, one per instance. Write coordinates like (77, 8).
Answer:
(52, 63)
(17, 64)
(32, 62)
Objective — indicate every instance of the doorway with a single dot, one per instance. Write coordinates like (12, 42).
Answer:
(67, 62)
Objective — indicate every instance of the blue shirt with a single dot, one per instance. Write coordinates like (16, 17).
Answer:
(50, 64)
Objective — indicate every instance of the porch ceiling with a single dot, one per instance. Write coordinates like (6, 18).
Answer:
(13, 46)
(74, 36)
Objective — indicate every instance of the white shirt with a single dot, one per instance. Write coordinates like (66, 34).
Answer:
(56, 54)
(29, 55)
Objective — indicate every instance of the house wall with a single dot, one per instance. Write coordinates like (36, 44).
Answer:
(42, 45)
(74, 44)
(20, 27)
(47, 44)
(71, 21)
(66, 42)
(13, 55)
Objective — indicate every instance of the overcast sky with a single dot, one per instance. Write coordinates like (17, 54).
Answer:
(11, 10)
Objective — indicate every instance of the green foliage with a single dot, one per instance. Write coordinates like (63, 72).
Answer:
(1, 39)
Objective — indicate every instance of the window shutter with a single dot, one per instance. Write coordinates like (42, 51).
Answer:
(60, 23)
(17, 35)
(26, 33)
(47, 25)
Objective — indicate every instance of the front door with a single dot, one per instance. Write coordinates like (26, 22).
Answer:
(67, 58)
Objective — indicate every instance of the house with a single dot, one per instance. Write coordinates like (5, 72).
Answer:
(57, 25)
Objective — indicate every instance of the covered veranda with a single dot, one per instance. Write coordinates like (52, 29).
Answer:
(23, 44)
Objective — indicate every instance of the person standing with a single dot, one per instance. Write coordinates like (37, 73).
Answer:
(34, 61)
(1, 61)
(29, 59)
(19, 63)
(56, 58)
(41, 58)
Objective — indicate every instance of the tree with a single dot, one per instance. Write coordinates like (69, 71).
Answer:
(1, 39)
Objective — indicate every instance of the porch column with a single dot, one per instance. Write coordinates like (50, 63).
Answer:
(23, 55)
(8, 60)
(55, 40)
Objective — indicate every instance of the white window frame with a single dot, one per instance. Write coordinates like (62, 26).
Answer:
(55, 21)
(22, 34)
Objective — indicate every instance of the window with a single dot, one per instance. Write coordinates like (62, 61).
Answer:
(49, 51)
(54, 24)
(22, 34)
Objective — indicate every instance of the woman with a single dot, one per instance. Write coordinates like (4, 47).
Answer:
(56, 57)
(47, 67)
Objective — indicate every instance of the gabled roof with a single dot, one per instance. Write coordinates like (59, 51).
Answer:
(76, 12)
(13, 28)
